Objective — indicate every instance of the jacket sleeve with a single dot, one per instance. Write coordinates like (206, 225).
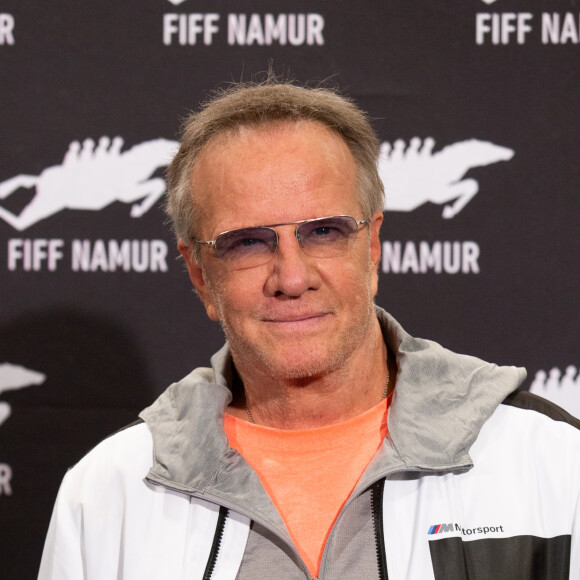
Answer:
(85, 536)
(62, 558)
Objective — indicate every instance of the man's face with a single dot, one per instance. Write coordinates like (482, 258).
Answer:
(296, 316)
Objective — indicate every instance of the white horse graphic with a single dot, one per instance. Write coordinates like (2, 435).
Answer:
(16, 377)
(415, 175)
(560, 388)
(91, 177)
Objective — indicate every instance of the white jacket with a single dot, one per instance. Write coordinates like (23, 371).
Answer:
(464, 487)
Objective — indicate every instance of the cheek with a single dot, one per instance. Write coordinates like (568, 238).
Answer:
(214, 295)
(361, 267)
(365, 277)
(235, 296)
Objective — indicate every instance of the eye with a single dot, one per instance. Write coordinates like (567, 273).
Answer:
(327, 231)
(238, 243)
(247, 242)
(322, 231)
(244, 244)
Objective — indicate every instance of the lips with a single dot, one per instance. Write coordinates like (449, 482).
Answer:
(296, 319)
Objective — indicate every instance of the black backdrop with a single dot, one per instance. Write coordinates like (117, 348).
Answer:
(97, 316)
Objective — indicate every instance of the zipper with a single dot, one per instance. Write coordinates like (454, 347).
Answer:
(222, 503)
(377, 492)
(370, 485)
(378, 484)
(217, 540)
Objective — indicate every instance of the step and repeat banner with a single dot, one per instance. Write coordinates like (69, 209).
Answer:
(476, 103)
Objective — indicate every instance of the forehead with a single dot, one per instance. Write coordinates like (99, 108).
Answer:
(273, 173)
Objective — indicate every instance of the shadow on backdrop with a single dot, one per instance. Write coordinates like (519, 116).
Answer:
(96, 382)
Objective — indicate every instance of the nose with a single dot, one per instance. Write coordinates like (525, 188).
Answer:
(292, 272)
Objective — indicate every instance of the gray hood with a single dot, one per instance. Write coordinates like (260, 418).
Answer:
(440, 402)
(441, 399)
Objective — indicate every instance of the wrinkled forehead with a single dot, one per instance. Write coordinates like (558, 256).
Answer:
(271, 159)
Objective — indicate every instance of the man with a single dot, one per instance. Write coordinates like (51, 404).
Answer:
(279, 460)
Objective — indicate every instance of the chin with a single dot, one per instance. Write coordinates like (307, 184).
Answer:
(303, 364)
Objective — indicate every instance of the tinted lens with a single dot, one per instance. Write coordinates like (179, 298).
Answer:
(246, 247)
(328, 237)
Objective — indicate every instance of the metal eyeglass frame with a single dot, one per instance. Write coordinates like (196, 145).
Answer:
(272, 226)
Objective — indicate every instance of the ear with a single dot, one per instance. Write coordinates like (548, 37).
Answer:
(375, 247)
(198, 279)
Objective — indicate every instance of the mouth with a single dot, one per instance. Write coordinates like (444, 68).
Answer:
(297, 320)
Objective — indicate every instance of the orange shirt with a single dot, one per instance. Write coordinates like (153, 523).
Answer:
(309, 474)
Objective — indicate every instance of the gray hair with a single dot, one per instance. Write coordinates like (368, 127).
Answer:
(255, 104)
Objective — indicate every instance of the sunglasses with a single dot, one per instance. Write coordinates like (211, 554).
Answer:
(326, 237)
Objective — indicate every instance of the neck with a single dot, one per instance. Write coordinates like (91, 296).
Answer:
(317, 401)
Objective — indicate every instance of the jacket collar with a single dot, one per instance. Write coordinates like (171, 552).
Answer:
(440, 402)
(441, 399)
